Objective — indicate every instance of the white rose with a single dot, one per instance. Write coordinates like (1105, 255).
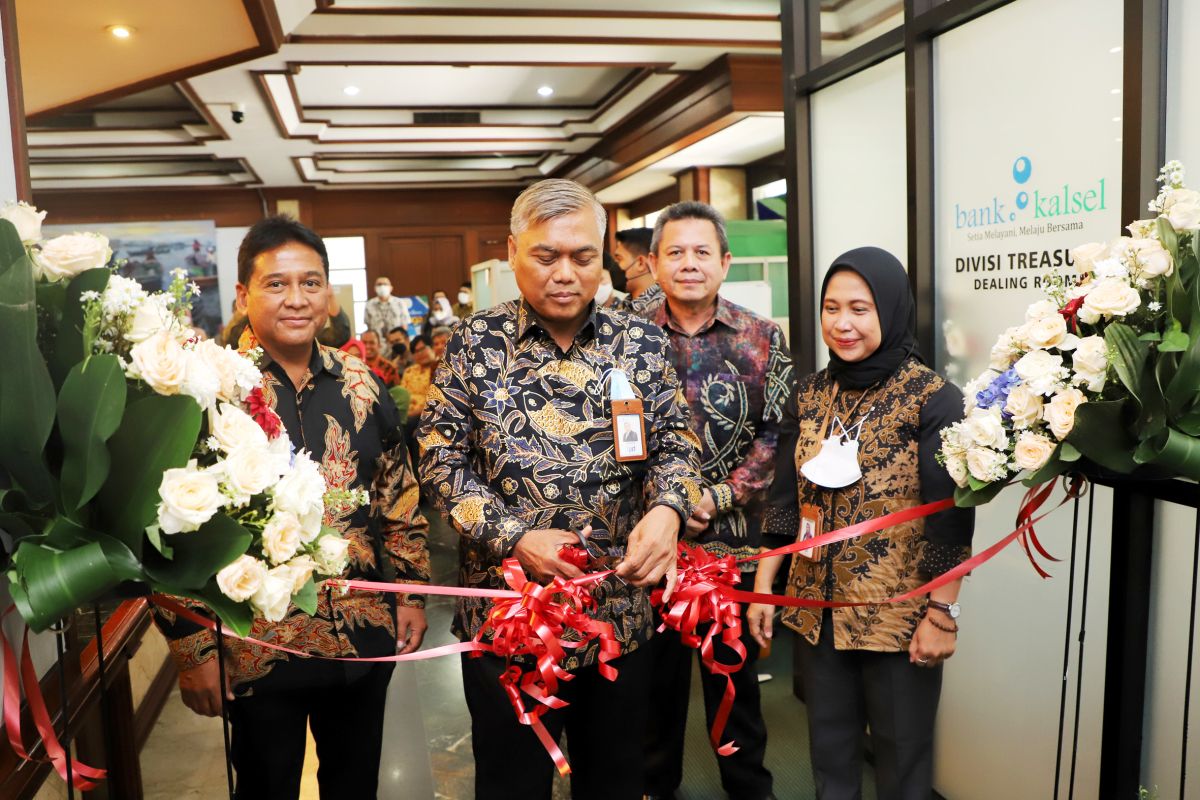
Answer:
(161, 362)
(983, 427)
(1006, 350)
(1086, 255)
(1090, 362)
(332, 554)
(190, 497)
(311, 524)
(1110, 297)
(300, 569)
(153, 315)
(975, 386)
(238, 376)
(273, 597)
(241, 579)
(1033, 450)
(955, 440)
(1182, 209)
(987, 465)
(281, 537)
(1041, 309)
(26, 219)
(234, 428)
(1143, 229)
(956, 466)
(249, 470)
(1151, 257)
(1060, 411)
(302, 490)
(1041, 370)
(1024, 405)
(67, 256)
(1045, 332)
(200, 381)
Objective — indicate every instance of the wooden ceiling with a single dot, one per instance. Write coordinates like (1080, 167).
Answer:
(403, 93)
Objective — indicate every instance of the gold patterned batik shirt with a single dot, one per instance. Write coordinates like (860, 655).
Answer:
(344, 417)
(517, 436)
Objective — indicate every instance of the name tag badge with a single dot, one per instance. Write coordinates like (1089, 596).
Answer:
(810, 528)
(629, 430)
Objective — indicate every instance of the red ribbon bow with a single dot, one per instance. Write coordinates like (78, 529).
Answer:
(700, 598)
(258, 407)
(543, 622)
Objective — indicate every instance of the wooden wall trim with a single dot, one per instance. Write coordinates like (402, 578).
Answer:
(16, 99)
(624, 41)
(654, 201)
(329, 7)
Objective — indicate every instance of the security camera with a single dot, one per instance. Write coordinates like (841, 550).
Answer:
(238, 112)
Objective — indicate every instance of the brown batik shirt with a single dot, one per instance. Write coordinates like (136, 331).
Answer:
(517, 435)
(343, 416)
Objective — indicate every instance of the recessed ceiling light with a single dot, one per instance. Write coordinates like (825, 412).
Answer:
(545, 91)
(120, 31)
(351, 90)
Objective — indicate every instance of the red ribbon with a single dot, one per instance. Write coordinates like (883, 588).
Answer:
(84, 777)
(700, 598)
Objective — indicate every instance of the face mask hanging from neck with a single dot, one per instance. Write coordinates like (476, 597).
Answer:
(836, 463)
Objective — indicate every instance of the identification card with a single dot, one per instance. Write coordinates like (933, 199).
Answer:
(629, 430)
(810, 528)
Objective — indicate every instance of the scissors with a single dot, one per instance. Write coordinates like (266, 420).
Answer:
(587, 555)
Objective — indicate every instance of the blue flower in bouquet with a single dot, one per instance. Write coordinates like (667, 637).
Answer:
(996, 392)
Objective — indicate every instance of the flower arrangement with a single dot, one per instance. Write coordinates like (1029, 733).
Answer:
(1107, 367)
(137, 455)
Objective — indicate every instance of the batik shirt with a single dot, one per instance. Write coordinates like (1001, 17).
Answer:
(517, 435)
(645, 305)
(345, 419)
(383, 315)
(737, 375)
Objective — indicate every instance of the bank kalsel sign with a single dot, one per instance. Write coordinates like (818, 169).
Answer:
(1030, 210)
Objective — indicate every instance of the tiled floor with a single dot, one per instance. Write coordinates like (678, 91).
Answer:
(427, 751)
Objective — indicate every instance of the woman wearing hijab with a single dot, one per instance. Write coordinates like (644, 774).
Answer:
(441, 315)
(859, 440)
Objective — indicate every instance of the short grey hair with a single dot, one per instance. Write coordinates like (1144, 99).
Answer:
(441, 330)
(690, 209)
(554, 197)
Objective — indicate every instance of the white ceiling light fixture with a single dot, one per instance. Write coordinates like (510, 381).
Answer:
(545, 91)
(351, 90)
(120, 31)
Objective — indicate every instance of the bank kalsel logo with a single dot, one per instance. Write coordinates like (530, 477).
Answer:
(1033, 203)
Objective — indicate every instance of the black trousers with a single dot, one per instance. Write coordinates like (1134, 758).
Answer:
(603, 723)
(743, 775)
(847, 690)
(347, 726)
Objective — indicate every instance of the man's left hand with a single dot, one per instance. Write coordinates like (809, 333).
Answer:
(410, 628)
(702, 515)
(652, 550)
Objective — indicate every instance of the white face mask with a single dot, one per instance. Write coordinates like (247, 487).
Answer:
(836, 464)
(443, 307)
(603, 293)
(384, 292)
(463, 298)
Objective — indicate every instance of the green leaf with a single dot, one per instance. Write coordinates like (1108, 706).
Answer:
(1067, 452)
(15, 525)
(1174, 340)
(1189, 423)
(970, 497)
(26, 391)
(1050, 470)
(47, 584)
(1129, 360)
(64, 533)
(238, 617)
(197, 556)
(306, 598)
(1150, 336)
(1101, 434)
(69, 346)
(90, 406)
(1179, 453)
(1168, 237)
(157, 433)
(155, 535)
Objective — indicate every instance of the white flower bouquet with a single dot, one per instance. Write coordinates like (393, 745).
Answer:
(1106, 368)
(136, 454)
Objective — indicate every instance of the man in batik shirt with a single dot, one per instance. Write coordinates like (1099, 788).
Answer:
(334, 407)
(517, 451)
(632, 253)
(737, 373)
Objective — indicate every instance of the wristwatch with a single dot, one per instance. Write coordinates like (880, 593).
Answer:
(951, 609)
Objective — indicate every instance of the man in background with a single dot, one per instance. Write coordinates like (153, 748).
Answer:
(375, 360)
(384, 312)
(464, 304)
(632, 254)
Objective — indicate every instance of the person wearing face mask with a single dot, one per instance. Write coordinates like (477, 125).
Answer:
(604, 293)
(383, 311)
(397, 339)
(465, 304)
(859, 440)
(632, 254)
(441, 315)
